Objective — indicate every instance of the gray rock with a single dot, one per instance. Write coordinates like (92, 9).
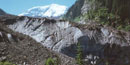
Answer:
(26, 51)
(55, 36)
(2, 58)
(62, 36)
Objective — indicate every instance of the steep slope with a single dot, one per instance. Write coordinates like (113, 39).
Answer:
(113, 13)
(75, 10)
(98, 43)
(53, 10)
(22, 50)
(2, 12)
(118, 7)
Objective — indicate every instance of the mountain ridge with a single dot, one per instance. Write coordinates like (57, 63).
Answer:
(53, 10)
(2, 12)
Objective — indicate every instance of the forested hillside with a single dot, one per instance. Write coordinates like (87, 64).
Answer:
(115, 13)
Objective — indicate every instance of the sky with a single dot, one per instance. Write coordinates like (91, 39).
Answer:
(19, 6)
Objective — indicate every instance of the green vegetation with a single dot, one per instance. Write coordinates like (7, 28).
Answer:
(127, 28)
(107, 63)
(113, 13)
(79, 54)
(51, 61)
(6, 63)
(103, 16)
(120, 27)
(77, 19)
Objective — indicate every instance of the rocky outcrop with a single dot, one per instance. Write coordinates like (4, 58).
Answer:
(75, 10)
(98, 42)
(78, 9)
(52, 34)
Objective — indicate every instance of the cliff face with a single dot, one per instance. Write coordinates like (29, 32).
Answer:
(75, 10)
(97, 42)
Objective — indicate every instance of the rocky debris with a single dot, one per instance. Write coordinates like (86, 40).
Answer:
(22, 50)
(97, 41)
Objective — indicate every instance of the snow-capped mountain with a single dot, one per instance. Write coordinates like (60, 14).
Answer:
(53, 10)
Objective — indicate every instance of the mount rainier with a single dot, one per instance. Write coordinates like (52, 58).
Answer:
(53, 10)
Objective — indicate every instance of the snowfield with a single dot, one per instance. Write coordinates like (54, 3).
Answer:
(53, 10)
